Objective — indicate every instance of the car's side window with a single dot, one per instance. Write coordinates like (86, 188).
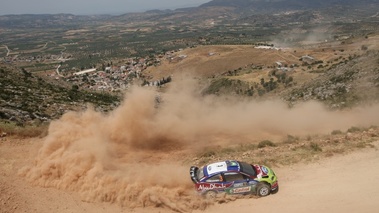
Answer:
(233, 176)
(215, 178)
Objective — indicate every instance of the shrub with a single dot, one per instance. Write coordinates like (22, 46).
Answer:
(354, 129)
(244, 147)
(266, 143)
(227, 150)
(336, 132)
(291, 139)
(208, 153)
(315, 147)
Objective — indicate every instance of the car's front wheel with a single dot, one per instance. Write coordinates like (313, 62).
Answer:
(263, 189)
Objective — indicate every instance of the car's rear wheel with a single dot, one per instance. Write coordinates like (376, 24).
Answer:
(263, 189)
(210, 194)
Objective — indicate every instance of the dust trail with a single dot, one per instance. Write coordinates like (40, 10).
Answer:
(130, 156)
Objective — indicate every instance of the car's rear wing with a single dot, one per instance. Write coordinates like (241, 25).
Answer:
(193, 173)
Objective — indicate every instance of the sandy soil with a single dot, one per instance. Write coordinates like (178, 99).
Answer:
(338, 184)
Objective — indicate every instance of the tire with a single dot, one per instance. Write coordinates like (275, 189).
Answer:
(263, 189)
(210, 194)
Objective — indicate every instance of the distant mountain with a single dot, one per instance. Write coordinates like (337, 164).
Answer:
(294, 4)
(229, 11)
(263, 6)
(235, 10)
(47, 20)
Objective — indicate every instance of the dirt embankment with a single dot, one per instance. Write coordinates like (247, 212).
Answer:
(135, 157)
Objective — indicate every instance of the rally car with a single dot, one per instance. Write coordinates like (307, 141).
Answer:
(234, 177)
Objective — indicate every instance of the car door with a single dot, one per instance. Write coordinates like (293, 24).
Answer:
(239, 183)
(213, 183)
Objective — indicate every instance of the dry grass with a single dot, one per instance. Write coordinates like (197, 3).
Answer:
(13, 130)
(294, 149)
(226, 58)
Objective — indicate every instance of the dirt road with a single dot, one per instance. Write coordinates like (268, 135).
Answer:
(338, 184)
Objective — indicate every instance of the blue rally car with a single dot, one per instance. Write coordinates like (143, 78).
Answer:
(234, 177)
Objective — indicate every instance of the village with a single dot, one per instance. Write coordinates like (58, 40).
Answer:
(113, 78)
(104, 78)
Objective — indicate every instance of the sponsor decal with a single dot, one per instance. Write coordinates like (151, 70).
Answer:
(238, 184)
(264, 169)
(210, 186)
(216, 167)
(242, 190)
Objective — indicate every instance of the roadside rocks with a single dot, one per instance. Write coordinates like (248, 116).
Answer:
(20, 116)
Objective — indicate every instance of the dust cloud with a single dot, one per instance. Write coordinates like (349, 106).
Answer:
(293, 37)
(133, 156)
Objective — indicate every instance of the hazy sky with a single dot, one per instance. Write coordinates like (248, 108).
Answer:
(79, 7)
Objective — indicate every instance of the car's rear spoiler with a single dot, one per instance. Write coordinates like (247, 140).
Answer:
(193, 173)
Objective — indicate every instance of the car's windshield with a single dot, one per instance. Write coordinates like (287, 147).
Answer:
(247, 168)
(200, 173)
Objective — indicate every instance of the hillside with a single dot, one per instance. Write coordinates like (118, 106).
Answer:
(27, 98)
(340, 74)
